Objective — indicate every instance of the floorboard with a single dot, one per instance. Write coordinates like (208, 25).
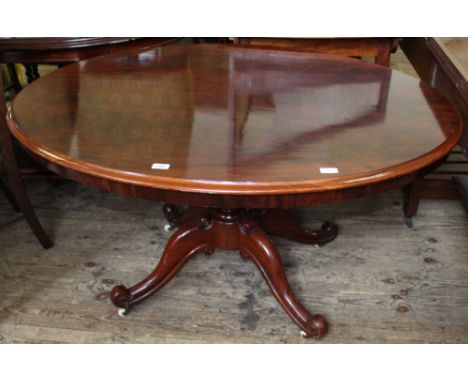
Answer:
(378, 282)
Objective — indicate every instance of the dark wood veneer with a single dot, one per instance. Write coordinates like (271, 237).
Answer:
(234, 229)
(84, 128)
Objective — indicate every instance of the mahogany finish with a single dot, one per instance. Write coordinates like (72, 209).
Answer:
(281, 223)
(240, 130)
(273, 221)
(244, 122)
(235, 229)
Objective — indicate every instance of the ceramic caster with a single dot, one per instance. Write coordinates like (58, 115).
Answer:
(168, 227)
(122, 312)
(303, 334)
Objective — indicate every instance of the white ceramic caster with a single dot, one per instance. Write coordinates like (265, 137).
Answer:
(122, 312)
(168, 227)
(303, 334)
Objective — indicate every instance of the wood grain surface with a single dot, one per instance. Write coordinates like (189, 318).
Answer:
(233, 121)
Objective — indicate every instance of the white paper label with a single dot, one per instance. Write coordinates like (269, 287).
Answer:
(328, 170)
(160, 166)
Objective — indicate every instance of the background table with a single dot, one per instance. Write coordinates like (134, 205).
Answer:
(443, 63)
(380, 48)
(237, 134)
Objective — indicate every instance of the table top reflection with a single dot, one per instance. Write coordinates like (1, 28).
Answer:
(234, 120)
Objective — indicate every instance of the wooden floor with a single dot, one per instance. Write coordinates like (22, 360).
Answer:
(378, 282)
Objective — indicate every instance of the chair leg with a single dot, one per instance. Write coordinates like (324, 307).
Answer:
(411, 196)
(17, 190)
(27, 209)
(15, 185)
(9, 195)
(461, 183)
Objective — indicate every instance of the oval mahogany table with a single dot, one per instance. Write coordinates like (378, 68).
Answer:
(238, 134)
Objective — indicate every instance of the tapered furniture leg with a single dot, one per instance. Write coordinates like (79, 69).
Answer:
(15, 185)
(411, 196)
(10, 197)
(281, 223)
(462, 186)
(256, 245)
(185, 243)
(25, 206)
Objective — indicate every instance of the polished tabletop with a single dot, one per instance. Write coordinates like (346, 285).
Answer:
(232, 120)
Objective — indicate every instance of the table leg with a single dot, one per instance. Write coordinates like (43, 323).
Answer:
(281, 223)
(256, 245)
(232, 229)
(185, 243)
(274, 221)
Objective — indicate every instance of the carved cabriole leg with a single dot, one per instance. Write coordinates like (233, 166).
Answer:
(281, 223)
(230, 229)
(185, 243)
(255, 244)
